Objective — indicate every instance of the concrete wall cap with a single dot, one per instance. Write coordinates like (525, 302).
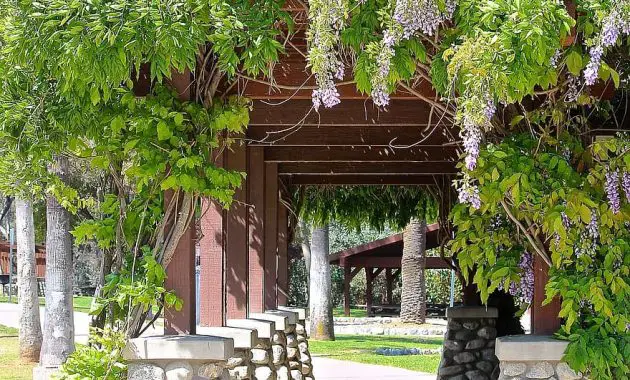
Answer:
(471, 312)
(192, 347)
(281, 321)
(243, 337)
(522, 348)
(291, 315)
(302, 313)
(263, 328)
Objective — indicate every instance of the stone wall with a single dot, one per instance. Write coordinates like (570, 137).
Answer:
(300, 359)
(468, 352)
(533, 357)
(178, 357)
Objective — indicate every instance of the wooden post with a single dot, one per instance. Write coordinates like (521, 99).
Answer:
(181, 271)
(369, 276)
(389, 279)
(236, 249)
(347, 278)
(212, 258)
(545, 319)
(283, 259)
(256, 218)
(271, 234)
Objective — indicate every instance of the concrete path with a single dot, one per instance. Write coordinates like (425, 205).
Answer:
(324, 368)
(9, 317)
(333, 369)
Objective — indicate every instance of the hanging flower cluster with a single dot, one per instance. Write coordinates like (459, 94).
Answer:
(616, 24)
(625, 184)
(326, 18)
(589, 237)
(612, 190)
(469, 192)
(525, 289)
(409, 17)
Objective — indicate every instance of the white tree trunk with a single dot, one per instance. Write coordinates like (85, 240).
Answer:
(59, 319)
(320, 289)
(413, 304)
(30, 328)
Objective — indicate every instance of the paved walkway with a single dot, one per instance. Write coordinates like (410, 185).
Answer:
(324, 368)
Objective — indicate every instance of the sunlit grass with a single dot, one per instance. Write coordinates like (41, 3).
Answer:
(11, 367)
(355, 313)
(81, 303)
(361, 349)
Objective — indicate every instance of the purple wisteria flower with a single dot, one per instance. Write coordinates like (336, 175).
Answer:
(614, 25)
(471, 138)
(612, 190)
(625, 184)
(469, 193)
(525, 288)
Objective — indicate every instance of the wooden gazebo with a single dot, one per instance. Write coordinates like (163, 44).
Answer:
(243, 255)
(378, 256)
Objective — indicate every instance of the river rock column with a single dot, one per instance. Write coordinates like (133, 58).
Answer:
(297, 347)
(261, 366)
(239, 366)
(525, 357)
(284, 324)
(468, 352)
(178, 357)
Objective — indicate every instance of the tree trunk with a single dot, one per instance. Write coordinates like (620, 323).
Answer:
(98, 321)
(306, 249)
(413, 306)
(59, 319)
(320, 290)
(30, 328)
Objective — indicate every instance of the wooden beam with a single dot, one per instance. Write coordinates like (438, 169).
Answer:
(389, 286)
(271, 234)
(354, 272)
(433, 262)
(283, 259)
(256, 224)
(377, 271)
(369, 277)
(375, 135)
(544, 319)
(299, 113)
(181, 271)
(323, 168)
(361, 154)
(347, 277)
(354, 179)
(237, 249)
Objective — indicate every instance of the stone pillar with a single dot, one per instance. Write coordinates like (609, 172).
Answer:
(468, 351)
(239, 366)
(533, 357)
(261, 353)
(297, 347)
(178, 357)
(283, 324)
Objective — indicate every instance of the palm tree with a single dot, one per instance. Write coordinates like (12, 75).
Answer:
(413, 307)
(58, 341)
(30, 328)
(320, 287)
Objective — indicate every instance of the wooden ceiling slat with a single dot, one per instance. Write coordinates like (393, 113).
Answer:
(324, 168)
(299, 112)
(352, 179)
(375, 136)
(360, 154)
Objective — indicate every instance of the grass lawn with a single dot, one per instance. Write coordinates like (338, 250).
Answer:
(355, 313)
(360, 348)
(11, 367)
(82, 304)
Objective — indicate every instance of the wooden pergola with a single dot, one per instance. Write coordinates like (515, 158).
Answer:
(244, 264)
(378, 256)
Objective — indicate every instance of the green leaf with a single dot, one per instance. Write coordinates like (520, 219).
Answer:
(164, 132)
(574, 62)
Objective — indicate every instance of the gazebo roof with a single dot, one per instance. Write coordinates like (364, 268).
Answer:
(387, 252)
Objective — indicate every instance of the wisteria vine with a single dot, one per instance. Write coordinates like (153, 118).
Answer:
(326, 19)
(614, 25)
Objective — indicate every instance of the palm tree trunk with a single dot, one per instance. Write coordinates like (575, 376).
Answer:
(320, 289)
(413, 307)
(30, 328)
(59, 319)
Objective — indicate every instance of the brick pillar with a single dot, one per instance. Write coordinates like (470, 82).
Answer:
(211, 243)
(236, 240)
(256, 224)
(271, 234)
(283, 259)
(181, 270)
